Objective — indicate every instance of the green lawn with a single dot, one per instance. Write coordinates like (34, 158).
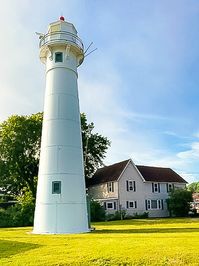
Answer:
(130, 242)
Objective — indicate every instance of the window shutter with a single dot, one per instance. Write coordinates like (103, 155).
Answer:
(105, 205)
(114, 205)
(167, 187)
(146, 204)
(134, 187)
(135, 204)
(162, 204)
(127, 204)
(127, 185)
(158, 187)
(173, 187)
(153, 187)
(107, 188)
(112, 186)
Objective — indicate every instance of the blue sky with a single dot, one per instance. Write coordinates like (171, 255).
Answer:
(140, 88)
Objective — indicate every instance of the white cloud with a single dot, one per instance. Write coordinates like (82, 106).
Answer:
(196, 135)
(192, 153)
(145, 63)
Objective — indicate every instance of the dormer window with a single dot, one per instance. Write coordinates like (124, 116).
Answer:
(58, 57)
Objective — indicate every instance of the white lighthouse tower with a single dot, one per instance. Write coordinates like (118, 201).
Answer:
(61, 198)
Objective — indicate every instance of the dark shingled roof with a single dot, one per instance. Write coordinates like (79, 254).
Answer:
(153, 174)
(159, 174)
(107, 173)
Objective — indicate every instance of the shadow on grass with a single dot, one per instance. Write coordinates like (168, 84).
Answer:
(147, 231)
(10, 248)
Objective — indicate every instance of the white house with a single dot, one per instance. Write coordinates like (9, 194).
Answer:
(134, 188)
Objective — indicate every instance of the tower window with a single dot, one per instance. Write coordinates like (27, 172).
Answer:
(58, 57)
(56, 187)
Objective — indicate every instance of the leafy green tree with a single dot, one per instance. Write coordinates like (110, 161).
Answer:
(94, 147)
(179, 202)
(193, 187)
(20, 138)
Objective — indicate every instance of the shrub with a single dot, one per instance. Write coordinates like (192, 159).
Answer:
(97, 211)
(179, 202)
(20, 214)
(26, 208)
(118, 215)
(110, 217)
(143, 215)
(5, 218)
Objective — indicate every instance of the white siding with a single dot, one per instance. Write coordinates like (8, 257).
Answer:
(142, 193)
(131, 173)
(162, 195)
(100, 192)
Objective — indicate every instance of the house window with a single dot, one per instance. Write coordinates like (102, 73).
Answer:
(154, 204)
(131, 204)
(130, 185)
(155, 187)
(110, 205)
(170, 187)
(58, 57)
(110, 186)
(56, 187)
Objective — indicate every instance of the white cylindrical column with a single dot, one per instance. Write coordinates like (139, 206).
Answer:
(61, 196)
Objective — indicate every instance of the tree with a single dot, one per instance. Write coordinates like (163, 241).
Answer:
(194, 187)
(94, 147)
(179, 202)
(20, 138)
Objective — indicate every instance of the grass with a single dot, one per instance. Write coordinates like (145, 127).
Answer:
(129, 242)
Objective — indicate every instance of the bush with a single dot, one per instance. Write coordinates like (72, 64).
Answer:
(179, 202)
(143, 215)
(19, 215)
(26, 208)
(118, 215)
(121, 215)
(97, 211)
(5, 218)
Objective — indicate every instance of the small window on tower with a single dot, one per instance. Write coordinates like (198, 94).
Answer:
(58, 57)
(56, 187)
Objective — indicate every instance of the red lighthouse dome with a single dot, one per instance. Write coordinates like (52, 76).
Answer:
(62, 18)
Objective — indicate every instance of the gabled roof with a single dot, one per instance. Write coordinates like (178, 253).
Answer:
(159, 174)
(152, 174)
(108, 173)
